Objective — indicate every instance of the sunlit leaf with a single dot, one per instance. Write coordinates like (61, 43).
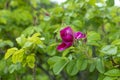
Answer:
(109, 50)
(116, 42)
(113, 72)
(10, 52)
(18, 56)
(31, 60)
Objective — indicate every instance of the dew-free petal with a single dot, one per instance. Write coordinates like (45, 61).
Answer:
(63, 46)
(68, 37)
(79, 35)
(67, 34)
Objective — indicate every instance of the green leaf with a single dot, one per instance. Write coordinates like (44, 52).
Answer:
(109, 78)
(10, 52)
(3, 20)
(79, 62)
(72, 68)
(53, 60)
(4, 43)
(84, 65)
(31, 60)
(116, 42)
(14, 67)
(92, 67)
(34, 3)
(28, 31)
(78, 23)
(110, 2)
(92, 2)
(2, 66)
(58, 66)
(109, 50)
(36, 35)
(65, 52)
(18, 56)
(35, 39)
(100, 65)
(118, 55)
(46, 18)
(101, 77)
(93, 38)
(27, 44)
(113, 72)
(21, 40)
(4, 15)
(51, 49)
(8, 42)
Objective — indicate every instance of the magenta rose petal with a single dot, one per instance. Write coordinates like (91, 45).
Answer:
(67, 34)
(68, 37)
(79, 35)
(63, 46)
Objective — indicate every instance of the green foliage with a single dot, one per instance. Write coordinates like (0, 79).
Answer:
(72, 67)
(93, 38)
(109, 78)
(110, 2)
(29, 35)
(109, 50)
(100, 65)
(18, 56)
(53, 60)
(31, 60)
(23, 55)
(113, 72)
(10, 52)
(58, 66)
(4, 43)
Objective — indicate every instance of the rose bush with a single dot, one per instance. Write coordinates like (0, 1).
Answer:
(36, 42)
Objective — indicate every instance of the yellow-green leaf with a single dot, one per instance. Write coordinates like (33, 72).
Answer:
(36, 35)
(116, 42)
(18, 56)
(31, 60)
(10, 52)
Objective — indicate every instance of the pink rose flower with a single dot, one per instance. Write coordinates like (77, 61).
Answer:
(68, 37)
